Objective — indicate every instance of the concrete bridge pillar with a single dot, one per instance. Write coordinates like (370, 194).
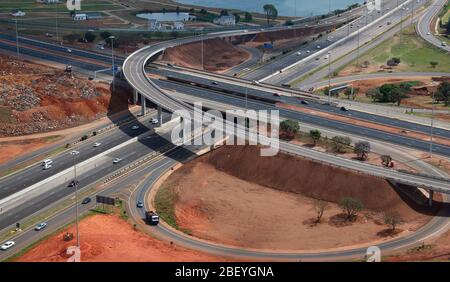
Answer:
(430, 198)
(143, 105)
(160, 121)
(135, 97)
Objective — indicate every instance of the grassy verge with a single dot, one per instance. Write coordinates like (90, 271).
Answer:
(414, 53)
(165, 201)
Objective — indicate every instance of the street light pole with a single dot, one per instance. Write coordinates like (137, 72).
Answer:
(112, 57)
(56, 24)
(74, 155)
(17, 41)
(329, 77)
(432, 120)
(203, 64)
(357, 55)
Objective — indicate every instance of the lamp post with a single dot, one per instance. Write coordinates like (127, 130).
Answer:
(357, 55)
(203, 64)
(56, 24)
(17, 40)
(75, 182)
(329, 77)
(112, 37)
(432, 120)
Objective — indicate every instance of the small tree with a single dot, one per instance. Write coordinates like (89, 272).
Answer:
(392, 219)
(434, 64)
(321, 206)
(271, 12)
(89, 36)
(105, 34)
(386, 160)
(443, 93)
(289, 128)
(315, 135)
(362, 149)
(351, 207)
(248, 17)
(339, 142)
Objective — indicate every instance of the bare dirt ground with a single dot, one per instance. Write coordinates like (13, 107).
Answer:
(234, 196)
(108, 238)
(219, 55)
(10, 150)
(36, 98)
(359, 122)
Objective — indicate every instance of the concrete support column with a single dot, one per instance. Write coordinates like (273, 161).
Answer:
(160, 121)
(135, 97)
(143, 105)
(430, 198)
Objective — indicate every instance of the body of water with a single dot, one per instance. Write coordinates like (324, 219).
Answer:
(165, 17)
(292, 8)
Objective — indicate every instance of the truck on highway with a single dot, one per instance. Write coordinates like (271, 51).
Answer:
(151, 218)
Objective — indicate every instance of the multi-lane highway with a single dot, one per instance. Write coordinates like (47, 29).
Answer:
(155, 91)
(369, 25)
(424, 28)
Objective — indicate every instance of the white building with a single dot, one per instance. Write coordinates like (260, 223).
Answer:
(225, 20)
(18, 14)
(154, 25)
(178, 25)
(80, 17)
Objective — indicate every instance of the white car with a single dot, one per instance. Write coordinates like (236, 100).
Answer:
(154, 121)
(69, 50)
(47, 166)
(7, 245)
(135, 127)
(318, 46)
(97, 144)
(40, 226)
(444, 43)
(428, 33)
(299, 53)
(47, 162)
(116, 160)
(307, 51)
(326, 57)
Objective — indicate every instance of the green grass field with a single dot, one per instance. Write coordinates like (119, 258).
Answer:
(415, 54)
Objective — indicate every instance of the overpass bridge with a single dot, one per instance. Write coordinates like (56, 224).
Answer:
(134, 72)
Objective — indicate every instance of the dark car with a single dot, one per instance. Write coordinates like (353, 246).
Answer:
(276, 94)
(86, 201)
(73, 183)
(344, 109)
(140, 204)
(304, 102)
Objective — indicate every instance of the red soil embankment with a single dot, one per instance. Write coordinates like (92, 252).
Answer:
(219, 55)
(293, 174)
(234, 196)
(107, 238)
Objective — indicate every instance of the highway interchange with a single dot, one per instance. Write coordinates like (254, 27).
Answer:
(136, 74)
